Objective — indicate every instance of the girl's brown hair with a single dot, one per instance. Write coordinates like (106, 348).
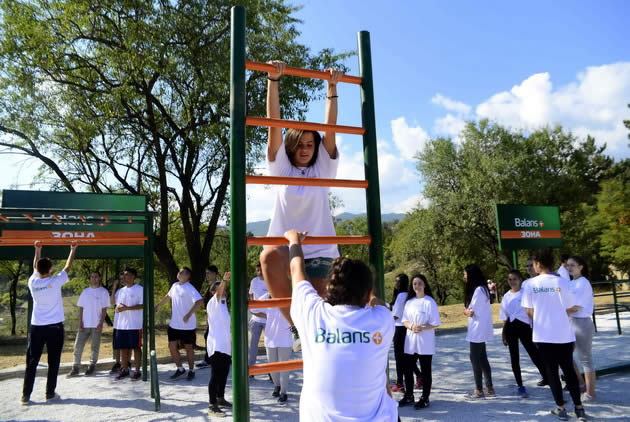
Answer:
(292, 140)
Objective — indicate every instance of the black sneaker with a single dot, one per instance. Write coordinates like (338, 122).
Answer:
(123, 373)
(25, 400)
(542, 383)
(116, 368)
(215, 410)
(52, 397)
(405, 401)
(202, 364)
(276, 392)
(224, 403)
(178, 373)
(580, 414)
(560, 413)
(73, 373)
(190, 376)
(90, 370)
(283, 398)
(136, 375)
(422, 403)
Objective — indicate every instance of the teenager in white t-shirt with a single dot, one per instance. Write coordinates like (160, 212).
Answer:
(345, 343)
(93, 303)
(305, 208)
(563, 269)
(185, 300)
(401, 288)
(219, 347)
(211, 279)
(420, 319)
(46, 322)
(128, 323)
(582, 323)
(479, 313)
(548, 301)
(517, 325)
(257, 289)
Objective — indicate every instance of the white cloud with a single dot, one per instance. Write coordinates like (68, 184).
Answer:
(450, 125)
(411, 203)
(450, 104)
(408, 140)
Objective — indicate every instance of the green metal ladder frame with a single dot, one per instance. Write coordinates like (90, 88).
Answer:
(238, 240)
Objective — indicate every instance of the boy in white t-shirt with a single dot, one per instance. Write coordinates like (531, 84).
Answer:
(46, 322)
(93, 303)
(128, 323)
(257, 289)
(345, 343)
(185, 300)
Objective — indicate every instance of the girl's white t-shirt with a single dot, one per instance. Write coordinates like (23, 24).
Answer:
(345, 351)
(129, 296)
(549, 296)
(258, 288)
(421, 311)
(399, 307)
(183, 297)
(93, 300)
(47, 302)
(218, 327)
(277, 332)
(511, 308)
(480, 324)
(304, 208)
(583, 293)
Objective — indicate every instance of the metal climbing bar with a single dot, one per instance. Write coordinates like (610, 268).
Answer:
(305, 73)
(281, 302)
(310, 240)
(296, 124)
(265, 368)
(306, 181)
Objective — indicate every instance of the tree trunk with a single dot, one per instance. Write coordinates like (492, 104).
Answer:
(13, 296)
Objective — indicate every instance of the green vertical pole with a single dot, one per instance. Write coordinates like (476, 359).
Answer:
(149, 287)
(238, 245)
(515, 259)
(146, 309)
(372, 194)
(614, 289)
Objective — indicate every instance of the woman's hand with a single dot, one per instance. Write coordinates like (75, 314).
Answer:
(280, 66)
(335, 75)
(294, 236)
(416, 328)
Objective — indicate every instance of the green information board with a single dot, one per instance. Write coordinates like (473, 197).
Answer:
(528, 227)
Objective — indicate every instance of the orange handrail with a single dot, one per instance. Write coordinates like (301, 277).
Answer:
(295, 124)
(306, 181)
(305, 73)
(265, 368)
(310, 240)
(282, 302)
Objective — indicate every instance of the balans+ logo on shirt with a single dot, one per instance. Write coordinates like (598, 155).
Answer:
(39, 289)
(546, 289)
(347, 337)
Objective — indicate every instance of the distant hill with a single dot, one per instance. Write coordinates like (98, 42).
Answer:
(259, 228)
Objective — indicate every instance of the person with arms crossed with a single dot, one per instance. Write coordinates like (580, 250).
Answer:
(128, 323)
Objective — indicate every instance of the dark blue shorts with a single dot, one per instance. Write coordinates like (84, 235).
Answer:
(127, 339)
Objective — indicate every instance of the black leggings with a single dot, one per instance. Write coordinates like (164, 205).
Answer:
(399, 354)
(554, 355)
(220, 364)
(480, 364)
(514, 331)
(52, 336)
(425, 376)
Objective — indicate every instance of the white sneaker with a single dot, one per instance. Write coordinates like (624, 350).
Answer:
(587, 397)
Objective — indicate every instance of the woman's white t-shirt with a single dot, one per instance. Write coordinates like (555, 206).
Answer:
(277, 332)
(257, 288)
(583, 293)
(183, 297)
(399, 307)
(47, 302)
(345, 351)
(421, 311)
(304, 208)
(129, 296)
(549, 296)
(93, 300)
(218, 327)
(480, 324)
(511, 308)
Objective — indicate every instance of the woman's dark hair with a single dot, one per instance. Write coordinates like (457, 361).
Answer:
(350, 281)
(213, 268)
(96, 272)
(544, 257)
(580, 261)
(474, 279)
(43, 266)
(427, 288)
(403, 282)
(516, 273)
(292, 140)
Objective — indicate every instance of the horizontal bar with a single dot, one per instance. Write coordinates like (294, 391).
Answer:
(305, 73)
(282, 302)
(310, 240)
(306, 181)
(265, 368)
(295, 124)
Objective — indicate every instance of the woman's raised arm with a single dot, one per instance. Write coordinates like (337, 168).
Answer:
(274, 138)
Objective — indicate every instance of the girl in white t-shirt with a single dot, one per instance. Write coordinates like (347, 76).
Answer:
(517, 325)
(582, 322)
(305, 208)
(479, 313)
(420, 319)
(401, 287)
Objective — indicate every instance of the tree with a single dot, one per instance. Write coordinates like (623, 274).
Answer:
(627, 123)
(15, 270)
(133, 97)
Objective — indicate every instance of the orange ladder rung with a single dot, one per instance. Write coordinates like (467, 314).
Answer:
(306, 181)
(265, 368)
(310, 240)
(295, 124)
(305, 73)
(282, 302)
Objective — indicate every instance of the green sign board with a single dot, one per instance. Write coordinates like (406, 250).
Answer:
(528, 227)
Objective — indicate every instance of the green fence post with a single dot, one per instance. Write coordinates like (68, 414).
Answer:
(515, 259)
(238, 243)
(372, 194)
(150, 288)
